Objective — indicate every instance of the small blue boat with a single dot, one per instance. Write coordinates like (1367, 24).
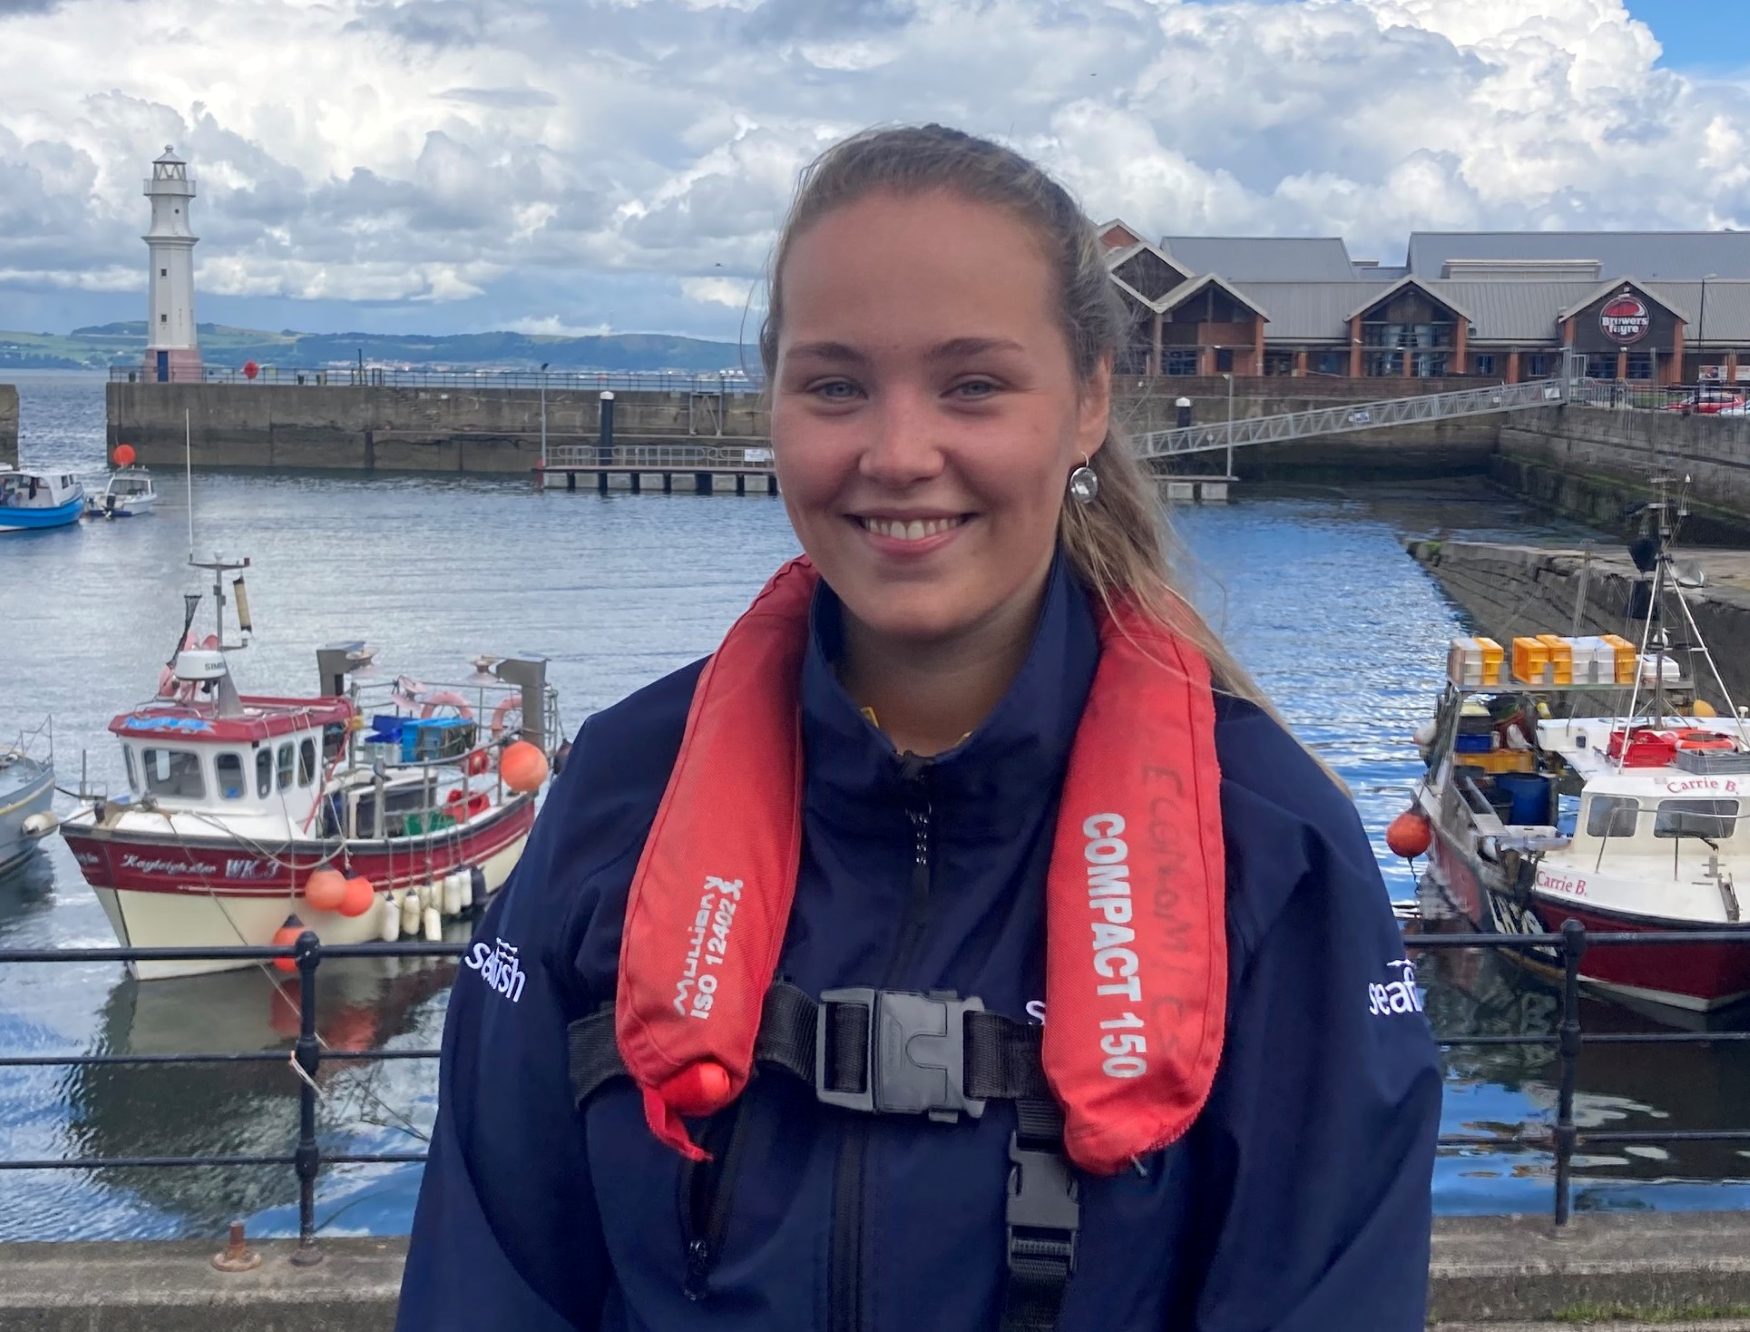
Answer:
(27, 787)
(30, 500)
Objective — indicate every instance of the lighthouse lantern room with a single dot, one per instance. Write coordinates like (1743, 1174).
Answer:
(172, 348)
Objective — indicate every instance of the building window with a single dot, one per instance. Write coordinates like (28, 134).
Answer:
(163, 272)
(1539, 365)
(1640, 365)
(1332, 363)
(1483, 365)
(163, 319)
(1382, 363)
(1279, 363)
(1179, 363)
(1224, 360)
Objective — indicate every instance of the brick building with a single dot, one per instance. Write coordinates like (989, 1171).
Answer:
(1655, 307)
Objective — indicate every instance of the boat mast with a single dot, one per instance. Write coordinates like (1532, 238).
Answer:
(229, 705)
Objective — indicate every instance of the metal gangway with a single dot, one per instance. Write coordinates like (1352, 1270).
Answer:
(1348, 418)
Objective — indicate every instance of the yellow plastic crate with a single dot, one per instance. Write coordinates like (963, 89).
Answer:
(1492, 658)
(1625, 658)
(1531, 661)
(1561, 658)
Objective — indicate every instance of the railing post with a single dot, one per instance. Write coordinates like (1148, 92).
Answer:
(1573, 946)
(309, 1056)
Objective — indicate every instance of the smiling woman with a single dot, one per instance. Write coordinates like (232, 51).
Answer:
(970, 751)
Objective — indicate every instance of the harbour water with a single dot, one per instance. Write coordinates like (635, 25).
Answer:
(1312, 587)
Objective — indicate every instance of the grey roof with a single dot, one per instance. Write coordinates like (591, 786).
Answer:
(1514, 311)
(1655, 255)
(1381, 272)
(1263, 258)
(1727, 312)
(1186, 290)
(1311, 310)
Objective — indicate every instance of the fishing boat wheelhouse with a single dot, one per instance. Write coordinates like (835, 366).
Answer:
(236, 801)
(1579, 778)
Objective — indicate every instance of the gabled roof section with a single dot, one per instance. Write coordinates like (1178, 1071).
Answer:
(1263, 258)
(1428, 289)
(1622, 284)
(1179, 295)
(1118, 234)
(1146, 269)
(1135, 295)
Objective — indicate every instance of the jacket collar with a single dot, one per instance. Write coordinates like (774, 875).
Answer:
(991, 783)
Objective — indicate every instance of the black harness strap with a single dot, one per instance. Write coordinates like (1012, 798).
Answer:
(886, 1052)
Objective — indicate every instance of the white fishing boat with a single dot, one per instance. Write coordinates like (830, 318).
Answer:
(362, 811)
(1580, 778)
(126, 493)
(30, 501)
(27, 791)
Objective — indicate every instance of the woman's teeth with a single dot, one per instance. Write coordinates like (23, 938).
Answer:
(915, 530)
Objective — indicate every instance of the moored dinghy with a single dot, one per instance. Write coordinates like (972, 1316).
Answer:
(30, 501)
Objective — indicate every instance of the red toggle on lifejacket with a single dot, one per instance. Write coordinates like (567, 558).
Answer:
(1136, 954)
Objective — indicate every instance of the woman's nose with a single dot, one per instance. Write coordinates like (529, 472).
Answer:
(902, 447)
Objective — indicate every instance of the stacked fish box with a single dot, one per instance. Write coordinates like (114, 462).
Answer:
(1559, 661)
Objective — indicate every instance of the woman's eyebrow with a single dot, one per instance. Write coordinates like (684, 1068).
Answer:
(943, 351)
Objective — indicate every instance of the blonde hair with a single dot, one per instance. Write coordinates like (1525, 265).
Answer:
(1118, 544)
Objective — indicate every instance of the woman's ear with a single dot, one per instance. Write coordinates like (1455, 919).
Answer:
(1094, 409)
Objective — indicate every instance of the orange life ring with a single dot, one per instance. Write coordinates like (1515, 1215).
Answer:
(1704, 740)
(444, 698)
(506, 705)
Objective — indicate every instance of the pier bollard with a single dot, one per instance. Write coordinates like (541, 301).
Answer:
(238, 1256)
(604, 452)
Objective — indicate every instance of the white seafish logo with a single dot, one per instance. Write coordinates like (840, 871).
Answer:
(1398, 996)
(499, 968)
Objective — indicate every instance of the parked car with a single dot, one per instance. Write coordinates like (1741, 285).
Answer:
(1708, 402)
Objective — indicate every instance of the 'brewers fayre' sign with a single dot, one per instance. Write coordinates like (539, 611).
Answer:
(1625, 319)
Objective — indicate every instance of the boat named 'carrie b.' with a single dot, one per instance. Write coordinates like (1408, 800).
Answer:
(360, 812)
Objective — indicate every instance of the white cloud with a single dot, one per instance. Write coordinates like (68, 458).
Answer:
(553, 326)
(464, 153)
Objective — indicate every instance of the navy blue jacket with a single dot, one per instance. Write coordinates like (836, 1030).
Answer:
(1298, 1201)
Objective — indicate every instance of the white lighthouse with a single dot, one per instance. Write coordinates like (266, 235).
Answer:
(172, 349)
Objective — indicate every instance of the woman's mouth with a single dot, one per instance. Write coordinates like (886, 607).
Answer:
(910, 529)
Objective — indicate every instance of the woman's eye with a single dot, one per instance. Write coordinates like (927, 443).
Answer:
(835, 390)
(975, 388)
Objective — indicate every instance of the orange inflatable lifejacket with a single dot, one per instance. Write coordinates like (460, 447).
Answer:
(1136, 958)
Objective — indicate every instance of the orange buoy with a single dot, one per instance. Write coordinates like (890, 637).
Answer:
(124, 455)
(325, 889)
(523, 766)
(284, 937)
(358, 897)
(1410, 834)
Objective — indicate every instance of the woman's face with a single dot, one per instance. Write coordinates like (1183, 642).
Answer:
(925, 412)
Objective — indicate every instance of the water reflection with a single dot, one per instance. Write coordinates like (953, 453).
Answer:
(133, 1110)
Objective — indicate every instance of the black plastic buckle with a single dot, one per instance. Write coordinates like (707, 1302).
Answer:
(1043, 1197)
(915, 1058)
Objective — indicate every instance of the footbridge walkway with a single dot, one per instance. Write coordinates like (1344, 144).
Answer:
(1347, 418)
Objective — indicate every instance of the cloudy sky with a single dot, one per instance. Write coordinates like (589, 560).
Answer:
(594, 165)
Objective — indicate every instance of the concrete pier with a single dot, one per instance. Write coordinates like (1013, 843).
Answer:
(1511, 589)
(1621, 1271)
(8, 424)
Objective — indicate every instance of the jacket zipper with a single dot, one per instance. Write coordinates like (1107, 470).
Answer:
(845, 1265)
(707, 1187)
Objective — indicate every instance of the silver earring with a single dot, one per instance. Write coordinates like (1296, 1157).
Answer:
(1084, 484)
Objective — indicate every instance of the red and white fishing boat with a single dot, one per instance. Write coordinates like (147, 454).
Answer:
(1544, 806)
(361, 812)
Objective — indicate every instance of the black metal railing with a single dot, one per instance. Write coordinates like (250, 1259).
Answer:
(715, 382)
(1563, 1138)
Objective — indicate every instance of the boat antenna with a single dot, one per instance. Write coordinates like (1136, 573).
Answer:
(188, 478)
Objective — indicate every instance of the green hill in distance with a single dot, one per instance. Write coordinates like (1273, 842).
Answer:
(103, 345)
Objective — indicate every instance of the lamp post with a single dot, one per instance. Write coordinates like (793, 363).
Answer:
(1701, 334)
(1230, 421)
(544, 365)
